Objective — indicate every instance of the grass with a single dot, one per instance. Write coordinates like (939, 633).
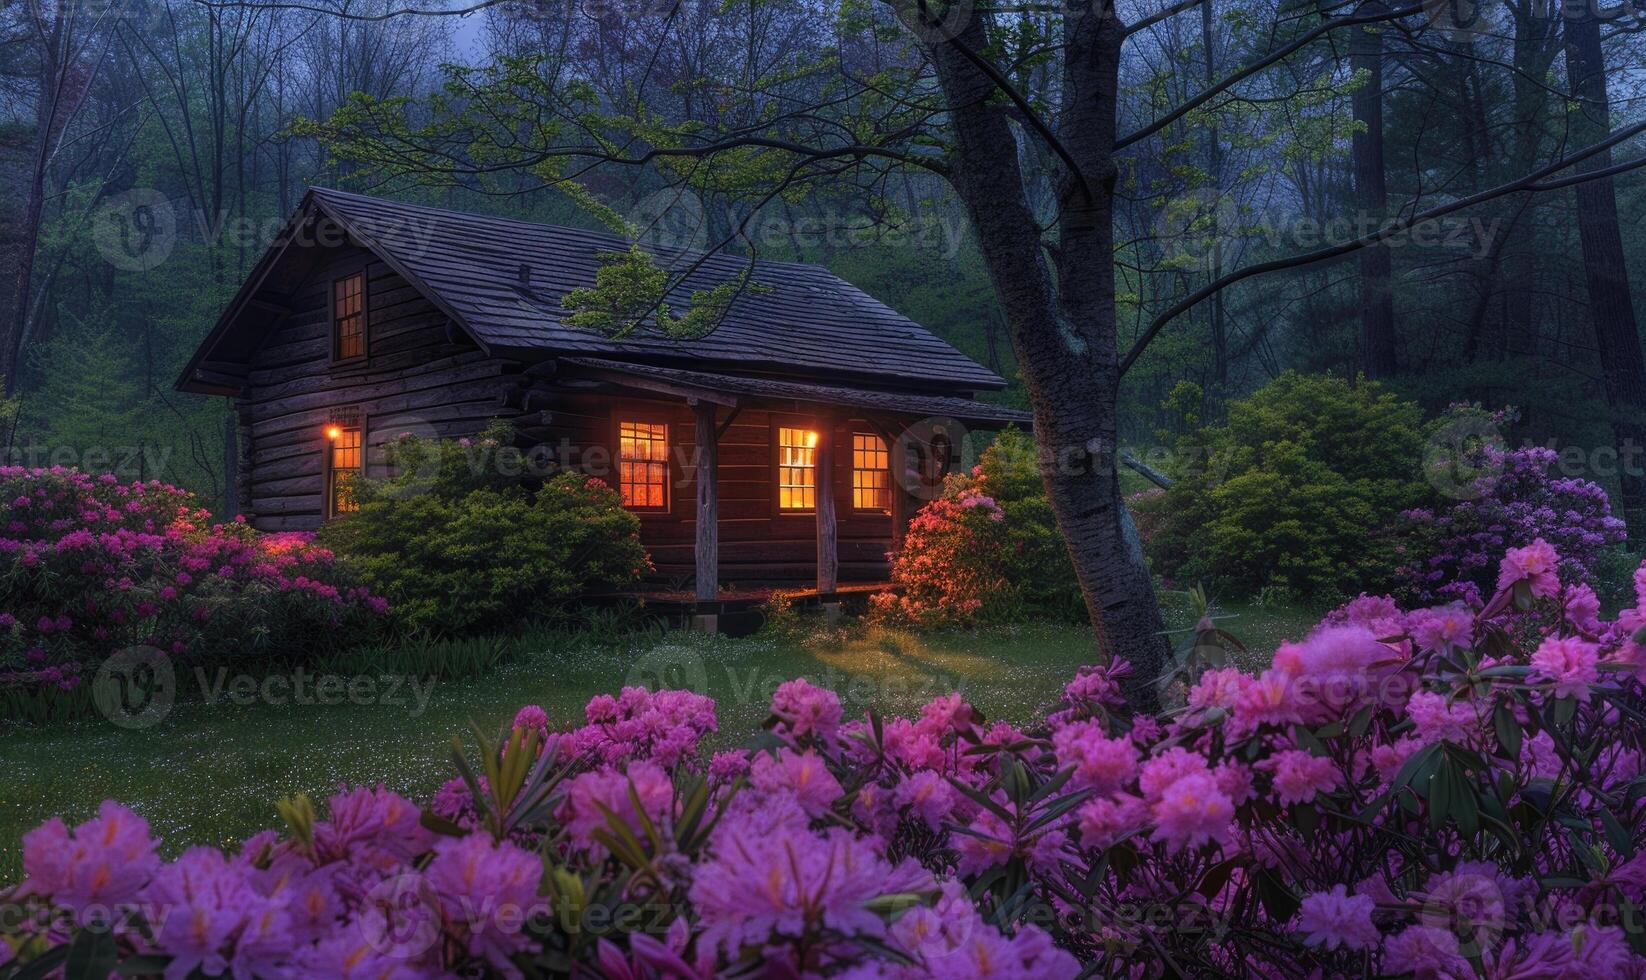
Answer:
(209, 773)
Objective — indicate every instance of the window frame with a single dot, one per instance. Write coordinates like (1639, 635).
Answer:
(626, 415)
(339, 418)
(884, 451)
(334, 338)
(777, 424)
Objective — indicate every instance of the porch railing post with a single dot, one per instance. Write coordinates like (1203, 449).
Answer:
(828, 550)
(708, 503)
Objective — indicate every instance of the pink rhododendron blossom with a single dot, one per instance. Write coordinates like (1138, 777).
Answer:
(1100, 763)
(591, 795)
(1427, 954)
(1437, 718)
(487, 891)
(763, 887)
(1335, 670)
(928, 797)
(1569, 664)
(801, 775)
(1192, 811)
(1536, 564)
(1335, 919)
(104, 861)
(1300, 776)
(803, 711)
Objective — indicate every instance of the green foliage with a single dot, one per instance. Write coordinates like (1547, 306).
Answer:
(631, 289)
(462, 538)
(1035, 550)
(1292, 491)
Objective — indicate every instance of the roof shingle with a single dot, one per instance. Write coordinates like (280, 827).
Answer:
(807, 321)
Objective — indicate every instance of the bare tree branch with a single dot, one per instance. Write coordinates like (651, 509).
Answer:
(1534, 182)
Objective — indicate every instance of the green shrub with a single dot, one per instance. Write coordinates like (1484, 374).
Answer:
(1293, 491)
(462, 538)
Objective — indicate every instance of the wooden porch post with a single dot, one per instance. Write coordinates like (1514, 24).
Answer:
(708, 503)
(828, 551)
(899, 460)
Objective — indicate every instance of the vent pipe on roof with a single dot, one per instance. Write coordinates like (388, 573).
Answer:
(525, 283)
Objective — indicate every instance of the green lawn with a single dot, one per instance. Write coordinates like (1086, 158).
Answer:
(209, 773)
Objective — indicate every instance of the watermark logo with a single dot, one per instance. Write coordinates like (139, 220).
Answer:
(932, 448)
(1193, 230)
(670, 667)
(135, 688)
(1464, 458)
(675, 223)
(935, 21)
(401, 918)
(135, 231)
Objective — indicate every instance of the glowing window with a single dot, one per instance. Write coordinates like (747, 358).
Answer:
(643, 465)
(345, 455)
(871, 473)
(349, 317)
(796, 469)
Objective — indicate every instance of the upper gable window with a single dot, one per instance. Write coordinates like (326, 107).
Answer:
(348, 317)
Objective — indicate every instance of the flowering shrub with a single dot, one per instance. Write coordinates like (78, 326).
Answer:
(91, 566)
(1510, 498)
(1441, 792)
(1292, 491)
(461, 537)
(987, 550)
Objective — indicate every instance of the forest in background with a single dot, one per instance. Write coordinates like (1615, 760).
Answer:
(115, 114)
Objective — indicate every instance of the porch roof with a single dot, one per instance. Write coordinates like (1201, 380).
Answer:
(732, 389)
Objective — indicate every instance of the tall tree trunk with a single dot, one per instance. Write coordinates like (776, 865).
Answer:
(1064, 326)
(1377, 307)
(1214, 171)
(1617, 337)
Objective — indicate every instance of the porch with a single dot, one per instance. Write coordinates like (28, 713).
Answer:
(794, 509)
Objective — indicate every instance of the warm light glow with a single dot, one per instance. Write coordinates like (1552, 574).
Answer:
(334, 433)
(642, 465)
(796, 469)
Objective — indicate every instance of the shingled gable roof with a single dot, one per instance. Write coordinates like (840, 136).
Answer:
(806, 323)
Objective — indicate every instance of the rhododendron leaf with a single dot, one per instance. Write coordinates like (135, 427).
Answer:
(1014, 778)
(1508, 731)
(1059, 808)
(298, 813)
(482, 799)
(1418, 768)
(1278, 900)
(1052, 785)
(696, 803)
(983, 800)
(432, 821)
(1362, 721)
(1307, 740)
(91, 955)
(1616, 835)
(622, 849)
(1306, 818)
(1216, 877)
(143, 965)
(44, 965)
(646, 822)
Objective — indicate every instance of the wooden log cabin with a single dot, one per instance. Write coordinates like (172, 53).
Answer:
(787, 447)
